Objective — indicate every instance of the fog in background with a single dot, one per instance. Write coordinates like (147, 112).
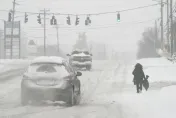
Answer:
(104, 30)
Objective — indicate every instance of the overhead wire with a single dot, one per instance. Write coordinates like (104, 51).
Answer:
(101, 13)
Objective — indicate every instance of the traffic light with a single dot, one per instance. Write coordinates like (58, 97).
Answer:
(88, 21)
(10, 17)
(53, 17)
(77, 20)
(53, 21)
(39, 19)
(26, 18)
(118, 17)
(68, 20)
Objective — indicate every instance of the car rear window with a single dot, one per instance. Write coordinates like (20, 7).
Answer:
(47, 68)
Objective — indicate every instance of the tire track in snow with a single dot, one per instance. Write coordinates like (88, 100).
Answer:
(105, 107)
(116, 110)
(105, 73)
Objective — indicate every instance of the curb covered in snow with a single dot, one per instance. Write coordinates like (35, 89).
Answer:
(11, 68)
(11, 73)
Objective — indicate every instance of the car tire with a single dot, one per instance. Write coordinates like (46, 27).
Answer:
(24, 97)
(78, 96)
(72, 99)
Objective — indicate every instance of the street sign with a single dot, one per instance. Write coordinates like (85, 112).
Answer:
(15, 25)
(12, 42)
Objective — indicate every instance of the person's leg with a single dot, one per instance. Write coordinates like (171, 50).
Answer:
(140, 85)
(137, 87)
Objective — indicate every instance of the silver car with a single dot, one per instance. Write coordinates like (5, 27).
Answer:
(50, 78)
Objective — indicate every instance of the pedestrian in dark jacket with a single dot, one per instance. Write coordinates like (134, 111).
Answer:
(138, 76)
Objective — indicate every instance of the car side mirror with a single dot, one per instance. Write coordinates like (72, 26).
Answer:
(79, 74)
(68, 55)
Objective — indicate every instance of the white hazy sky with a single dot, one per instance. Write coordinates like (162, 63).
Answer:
(123, 35)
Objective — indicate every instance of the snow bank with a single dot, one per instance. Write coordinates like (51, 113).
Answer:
(10, 64)
(148, 62)
(161, 73)
(13, 61)
(168, 102)
(160, 51)
(168, 93)
(159, 69)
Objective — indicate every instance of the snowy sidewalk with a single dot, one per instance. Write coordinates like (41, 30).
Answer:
(12, 67)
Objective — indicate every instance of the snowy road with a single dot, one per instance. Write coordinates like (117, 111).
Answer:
(107, 92)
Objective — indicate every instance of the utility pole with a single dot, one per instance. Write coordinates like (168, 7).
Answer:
(13, 15)
(156, 35)
(57, 31)
(171, 25)
(44, 23)
(168, 42)
(44, 32)
(162, 40)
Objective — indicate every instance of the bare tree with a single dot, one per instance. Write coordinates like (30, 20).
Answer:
(148, 44)
(81, 43)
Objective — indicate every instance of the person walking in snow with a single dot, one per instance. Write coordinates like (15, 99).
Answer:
(138, 77)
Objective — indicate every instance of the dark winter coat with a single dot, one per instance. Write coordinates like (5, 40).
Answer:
(138, 75)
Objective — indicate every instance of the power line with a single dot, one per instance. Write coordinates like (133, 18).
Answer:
(101, 13)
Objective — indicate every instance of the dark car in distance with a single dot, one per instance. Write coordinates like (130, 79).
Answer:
(50, 78)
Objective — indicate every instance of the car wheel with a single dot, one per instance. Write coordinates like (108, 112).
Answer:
(24, 97)
(78, 99)
(72, 99)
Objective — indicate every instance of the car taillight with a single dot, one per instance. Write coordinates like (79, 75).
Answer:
(61, 80)
(62, 83)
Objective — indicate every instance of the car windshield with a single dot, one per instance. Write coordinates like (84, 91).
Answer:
(78, 52)
(75, 52)
(48, 68)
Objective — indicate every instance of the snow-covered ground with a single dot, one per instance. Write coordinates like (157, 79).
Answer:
(107, 92)
(159, 69)
(11, 64)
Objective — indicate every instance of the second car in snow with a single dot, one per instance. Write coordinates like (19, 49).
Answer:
(80, 59)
